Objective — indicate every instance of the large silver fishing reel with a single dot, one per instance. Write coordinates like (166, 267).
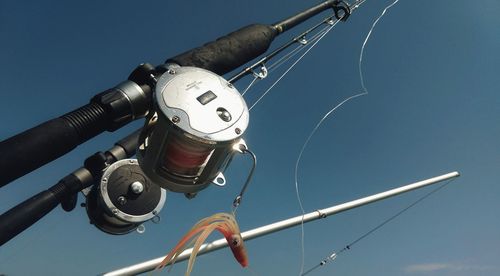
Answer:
(194, 130)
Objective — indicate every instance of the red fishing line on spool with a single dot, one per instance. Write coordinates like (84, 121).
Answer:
(185, 159)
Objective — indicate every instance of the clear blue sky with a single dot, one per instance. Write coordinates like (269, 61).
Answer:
(432, 71)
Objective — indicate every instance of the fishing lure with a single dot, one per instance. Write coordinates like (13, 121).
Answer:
(223, 222)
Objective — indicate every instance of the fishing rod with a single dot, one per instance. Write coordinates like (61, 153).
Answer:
(25, 214)
(341, 12)
(165, 155)
(133, 98)
(285, 224)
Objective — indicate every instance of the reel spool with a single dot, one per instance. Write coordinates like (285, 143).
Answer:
(124, 199)
(189, 138)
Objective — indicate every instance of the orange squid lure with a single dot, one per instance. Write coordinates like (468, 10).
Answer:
(223, 222)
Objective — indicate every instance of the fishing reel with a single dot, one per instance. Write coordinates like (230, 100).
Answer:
(124, 199)
(193, 131)
(188, 141)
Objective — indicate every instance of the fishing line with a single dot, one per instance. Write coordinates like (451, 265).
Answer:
(366, 39)
(303, 45)
(293, 65)
(297, 165)
(249, 86)
(315, 39)
(287, 57)
(365, 92)
(334, 255)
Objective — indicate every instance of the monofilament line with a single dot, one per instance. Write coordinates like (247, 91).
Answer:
(380, 225)
(365, 92)
(298, 49)
(249, 86)
(293, 65)
(297, 169)
(275, 65)
(366, 40)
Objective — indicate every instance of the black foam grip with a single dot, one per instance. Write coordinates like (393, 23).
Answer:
(35, 147)
(231, 51)
(46, 142)
(25, 214)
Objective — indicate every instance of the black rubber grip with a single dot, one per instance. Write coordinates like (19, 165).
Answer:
(44, 143)
(25, 214)
(231, 51)
(88, 120)
(35, 147)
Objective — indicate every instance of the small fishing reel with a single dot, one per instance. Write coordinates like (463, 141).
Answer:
(124, 199)
(190, 136)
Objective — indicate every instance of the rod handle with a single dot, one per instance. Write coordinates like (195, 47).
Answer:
(25, 214)
(229, 52)
(35, 147)
(22, 216)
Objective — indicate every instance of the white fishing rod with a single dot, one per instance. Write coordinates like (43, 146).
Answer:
(285, 224)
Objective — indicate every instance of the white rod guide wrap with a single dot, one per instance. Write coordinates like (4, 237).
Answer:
(284, 224)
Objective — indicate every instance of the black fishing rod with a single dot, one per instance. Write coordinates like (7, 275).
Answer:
(132, 99)
(341, 12)
(64, 192)
(113, 109)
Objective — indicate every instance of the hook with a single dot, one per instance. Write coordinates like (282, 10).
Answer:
(242, 148)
